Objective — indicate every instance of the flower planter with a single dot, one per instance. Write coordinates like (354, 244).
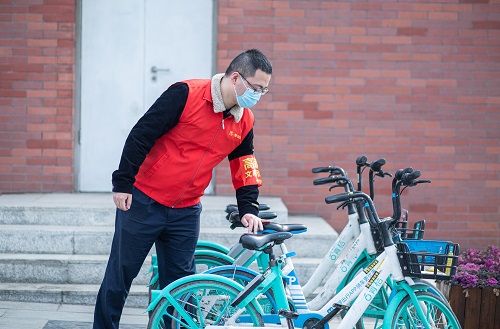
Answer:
(476, 308)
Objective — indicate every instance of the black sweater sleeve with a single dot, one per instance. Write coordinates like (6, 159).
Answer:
(246, 196)
(162, 116)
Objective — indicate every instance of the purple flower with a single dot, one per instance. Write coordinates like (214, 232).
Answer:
(470, 267)
(478, 268)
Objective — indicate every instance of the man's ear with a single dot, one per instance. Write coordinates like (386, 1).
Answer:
(233, 77)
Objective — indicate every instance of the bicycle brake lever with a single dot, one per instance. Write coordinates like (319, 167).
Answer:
(383, 174)
(422, 181)
(343, 205)
(337, 185)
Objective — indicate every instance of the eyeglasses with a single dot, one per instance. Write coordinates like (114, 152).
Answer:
(262, 91)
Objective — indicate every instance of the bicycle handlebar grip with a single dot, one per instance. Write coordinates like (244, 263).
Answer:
(408, 178)
(267, 215)
(330, 169)
(236, 224)
(235, 216)
(323, 180)
(232, 207)
(400, 172)
(361, 161)
(377, 164)
(338, 198)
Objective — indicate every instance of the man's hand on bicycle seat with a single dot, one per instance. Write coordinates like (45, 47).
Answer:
(253, 223)
(122, 200)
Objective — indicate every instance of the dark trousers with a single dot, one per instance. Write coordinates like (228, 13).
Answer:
(173, 231)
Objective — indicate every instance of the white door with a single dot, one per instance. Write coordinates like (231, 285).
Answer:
(131, 51)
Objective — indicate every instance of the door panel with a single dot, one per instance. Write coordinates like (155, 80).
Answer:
(121, 41)
(182, 42)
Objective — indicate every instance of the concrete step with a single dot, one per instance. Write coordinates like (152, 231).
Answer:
(60, 269)
(96, 240)
(54, 247)
(97, 209)
(80, 294)
(85, 294)
(88, 269)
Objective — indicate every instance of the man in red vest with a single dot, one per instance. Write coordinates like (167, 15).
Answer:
(167, 164)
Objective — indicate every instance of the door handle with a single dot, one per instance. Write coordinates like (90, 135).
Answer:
(155, 70)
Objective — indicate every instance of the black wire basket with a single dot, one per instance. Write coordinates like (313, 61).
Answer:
(415, 233)
(432, 260)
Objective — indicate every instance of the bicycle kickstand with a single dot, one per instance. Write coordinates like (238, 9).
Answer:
(290, 316)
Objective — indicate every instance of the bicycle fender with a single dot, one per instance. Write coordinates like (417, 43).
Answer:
(207, 252)
(157, 295)
(214, 270)
(204, 244)
(394, 303)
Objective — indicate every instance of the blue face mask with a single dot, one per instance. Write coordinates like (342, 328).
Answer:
(249, 98)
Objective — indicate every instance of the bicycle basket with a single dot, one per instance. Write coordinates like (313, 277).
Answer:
(415, 233)
(429, 260)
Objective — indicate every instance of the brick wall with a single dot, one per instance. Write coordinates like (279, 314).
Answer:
(37, 49)
(414, 82)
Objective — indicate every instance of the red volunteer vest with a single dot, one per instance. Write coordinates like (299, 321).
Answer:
(178, 168)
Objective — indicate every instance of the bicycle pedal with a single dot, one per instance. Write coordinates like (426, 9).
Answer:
(288, 314)
(342, 307)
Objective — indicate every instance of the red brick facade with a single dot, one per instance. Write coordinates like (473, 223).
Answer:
(414, 82)
(37, 81)
(417, 83)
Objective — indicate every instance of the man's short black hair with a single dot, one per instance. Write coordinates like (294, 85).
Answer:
(248, 62)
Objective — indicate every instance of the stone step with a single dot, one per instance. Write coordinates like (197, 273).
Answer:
(60, 269)
(96, 240)
(79, 294)
(88, 269)
(54, 247)
(85, 294)
(97, 209)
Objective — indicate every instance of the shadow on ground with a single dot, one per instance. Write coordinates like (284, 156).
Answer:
(81, 325)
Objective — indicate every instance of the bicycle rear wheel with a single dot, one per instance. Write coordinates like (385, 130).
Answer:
(437, 314)
(198, 304)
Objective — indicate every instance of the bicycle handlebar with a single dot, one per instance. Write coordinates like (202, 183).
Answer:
(230, 208)
(235, 216)
(331, 169)
(408, 178)
(400, 172)
(376, 165)
(361, 161)
(341, 181)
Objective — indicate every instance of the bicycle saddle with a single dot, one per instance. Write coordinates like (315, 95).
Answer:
(254, 241)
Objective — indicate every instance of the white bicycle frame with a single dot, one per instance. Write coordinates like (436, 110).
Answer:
(337, 251)
(338, 261)
(366, 285)
(337, 254)
(363, 242)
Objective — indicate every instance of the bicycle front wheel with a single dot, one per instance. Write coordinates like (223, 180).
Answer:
(198, 304)
(437, 314)
(202, 262)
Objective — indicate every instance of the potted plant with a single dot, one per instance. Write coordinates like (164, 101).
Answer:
(475, 288)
